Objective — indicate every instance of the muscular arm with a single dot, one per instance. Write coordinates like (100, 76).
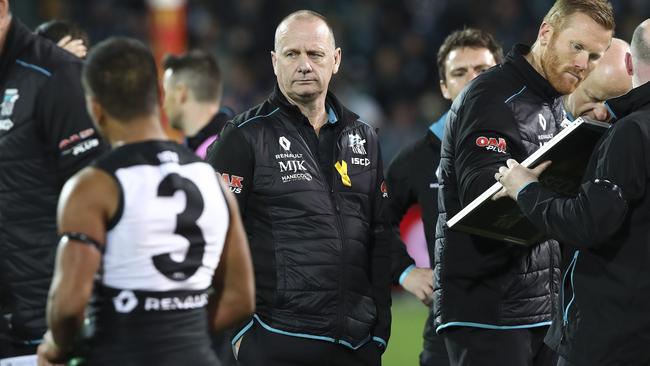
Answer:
(87, 202)
(233, 283)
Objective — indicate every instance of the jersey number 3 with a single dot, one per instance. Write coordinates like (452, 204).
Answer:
(186, 227)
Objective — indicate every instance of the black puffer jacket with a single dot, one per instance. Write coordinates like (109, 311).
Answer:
(507, 112)
(604, 317)
(46, 135)
(318, 237)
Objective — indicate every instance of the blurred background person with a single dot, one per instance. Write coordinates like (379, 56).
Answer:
(193, 85)
(610, 79)
(411, 176)
(66, 35)
(46, 136)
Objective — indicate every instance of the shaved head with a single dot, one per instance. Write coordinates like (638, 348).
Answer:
(608, 80)
(610, 77)
(301, 15)
(641, 43)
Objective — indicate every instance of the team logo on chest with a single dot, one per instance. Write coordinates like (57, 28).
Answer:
(7, 109)
(357, 143)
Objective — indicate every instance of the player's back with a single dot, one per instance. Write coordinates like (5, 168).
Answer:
(162, 249)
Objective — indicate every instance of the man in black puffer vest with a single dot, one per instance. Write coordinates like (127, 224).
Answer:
(493, 300)
(308, 176)
(46, 135)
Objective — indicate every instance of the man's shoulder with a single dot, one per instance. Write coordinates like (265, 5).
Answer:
(255, 115)
(498, 83)
(44, 57)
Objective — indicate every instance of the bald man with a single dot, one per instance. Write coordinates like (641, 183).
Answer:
(610, 79)
(604, 317)
(308, 177)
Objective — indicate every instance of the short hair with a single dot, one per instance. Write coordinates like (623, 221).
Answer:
(200, 71)
(600, 11)
(56, 29)
(468, 37)
(300, 15)
(640, 45)
(121, 74)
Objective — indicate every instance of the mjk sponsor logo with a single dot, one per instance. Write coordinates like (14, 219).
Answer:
(293, 166)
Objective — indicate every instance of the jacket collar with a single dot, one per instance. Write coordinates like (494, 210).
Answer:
(532, 78)
(18, 38)
(335, 110)
(625, 104)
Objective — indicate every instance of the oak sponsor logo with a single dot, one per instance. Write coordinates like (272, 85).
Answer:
(234, 182)
(76, 137)
(81, 147)
(384, 189)
(492, 144)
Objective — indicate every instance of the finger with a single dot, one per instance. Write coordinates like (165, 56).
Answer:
(497, 176)
(63, 41)
(541, 167)
(511, 162)
(503, 170)
(501, 194)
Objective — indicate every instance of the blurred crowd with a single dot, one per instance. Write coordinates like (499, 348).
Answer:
(388, 75)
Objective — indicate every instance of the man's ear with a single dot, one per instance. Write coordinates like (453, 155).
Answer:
(95, 110)
(183, 92)
(337, 59)
(274, 62)
(628, 64)
(545, 34)
(444, 90)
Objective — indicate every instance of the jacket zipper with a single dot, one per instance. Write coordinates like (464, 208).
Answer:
(565, 310)
(339, 224)
(339, 332)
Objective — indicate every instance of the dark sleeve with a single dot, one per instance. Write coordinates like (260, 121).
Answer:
(68, 132)
(382, 236)
(401, 197)
(232, 157)
(488, 136)
(601, 205)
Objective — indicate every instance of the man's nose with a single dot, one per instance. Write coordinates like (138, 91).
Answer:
(304, 67)
(581, 61)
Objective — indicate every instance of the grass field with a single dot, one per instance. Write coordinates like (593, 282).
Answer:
(406, 335)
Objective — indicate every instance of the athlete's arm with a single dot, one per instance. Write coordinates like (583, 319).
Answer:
(233, 283)
(86, 203)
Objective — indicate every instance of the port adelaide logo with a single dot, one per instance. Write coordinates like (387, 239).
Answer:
(292, 165)
(7, 109)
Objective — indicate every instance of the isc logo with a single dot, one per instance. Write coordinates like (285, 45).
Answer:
(360, 161)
